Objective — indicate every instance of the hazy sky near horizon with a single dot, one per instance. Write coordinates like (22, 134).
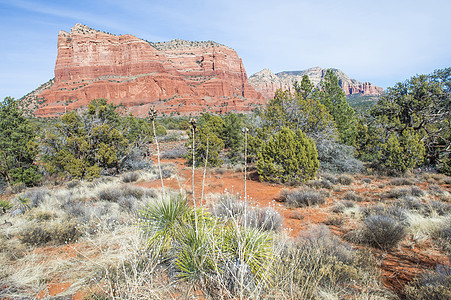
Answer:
(382, 42)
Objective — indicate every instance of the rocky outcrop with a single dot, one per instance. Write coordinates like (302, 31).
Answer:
(267, 82)
(175, 77)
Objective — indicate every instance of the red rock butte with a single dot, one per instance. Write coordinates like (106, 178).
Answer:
(267, 83)
(179, 76)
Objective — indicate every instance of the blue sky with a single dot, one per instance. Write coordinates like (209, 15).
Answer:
(382, 42)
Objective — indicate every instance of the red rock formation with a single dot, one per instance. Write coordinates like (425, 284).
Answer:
(177, 76)
(267, 82)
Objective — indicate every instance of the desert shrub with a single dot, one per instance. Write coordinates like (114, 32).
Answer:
(442, 235)
(135, 160)
(72, 184)
(16, 188)
(36, 196)
(264, 218)
(351, 195)
(436, 189)
(300, 198)
(331, 178)
(342, 205)
(409, 203)
(220, 171)
(440, 208)
(287, 157)
(400, 181)
(173, 153)
(41, 216)
(128, 204)
(133, 191)
(403, 191)
(110, 194)
(334, 221)
(38, 234)
(167, 170)
(392, 211)
(345, 179)
(228, 206)
(382, 231)
(322, 262)
(297, 216)
(171, 137)
(432, 285)
(75, 209)
(336, 157)
(416, 191)
(318, 184)
(366, 180)
(130, 177)
(3, 185)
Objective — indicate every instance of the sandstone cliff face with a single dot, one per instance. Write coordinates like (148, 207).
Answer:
(267, 82)
(175, 77)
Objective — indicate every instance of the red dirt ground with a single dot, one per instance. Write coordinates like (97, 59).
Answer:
(398, 266)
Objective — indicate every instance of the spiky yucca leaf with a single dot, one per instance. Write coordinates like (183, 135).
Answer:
(5, 205)
(250, 246)
(196, 256)
(163, 218)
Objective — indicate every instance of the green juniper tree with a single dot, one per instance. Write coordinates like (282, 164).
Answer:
(82, 145)
(287, 157)
(18, 145)
(333, 97)
(413, 119)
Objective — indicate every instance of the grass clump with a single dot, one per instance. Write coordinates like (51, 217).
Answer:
(38, 234)
(400, 181)
(382, 232)
(345, 179)
(341, 206)
(320, 265)
(403, 192)
(442, 235)
(173, 153)
(301, 198)
(230, 207)
(130, 177)
(351, 195)
(366, 180)
(319, 184)
(266, 219)
(432, 285)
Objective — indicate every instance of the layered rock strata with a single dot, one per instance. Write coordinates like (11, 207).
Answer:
(175, 77)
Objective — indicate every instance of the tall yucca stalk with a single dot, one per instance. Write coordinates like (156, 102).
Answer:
(245, 130)
(193, 128)
(152, 115)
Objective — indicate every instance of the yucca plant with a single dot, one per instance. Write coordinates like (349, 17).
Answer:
(251, 247)
(152, 115)
(5, 205)
(195, 258)
(24, 203)
(163, 218)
